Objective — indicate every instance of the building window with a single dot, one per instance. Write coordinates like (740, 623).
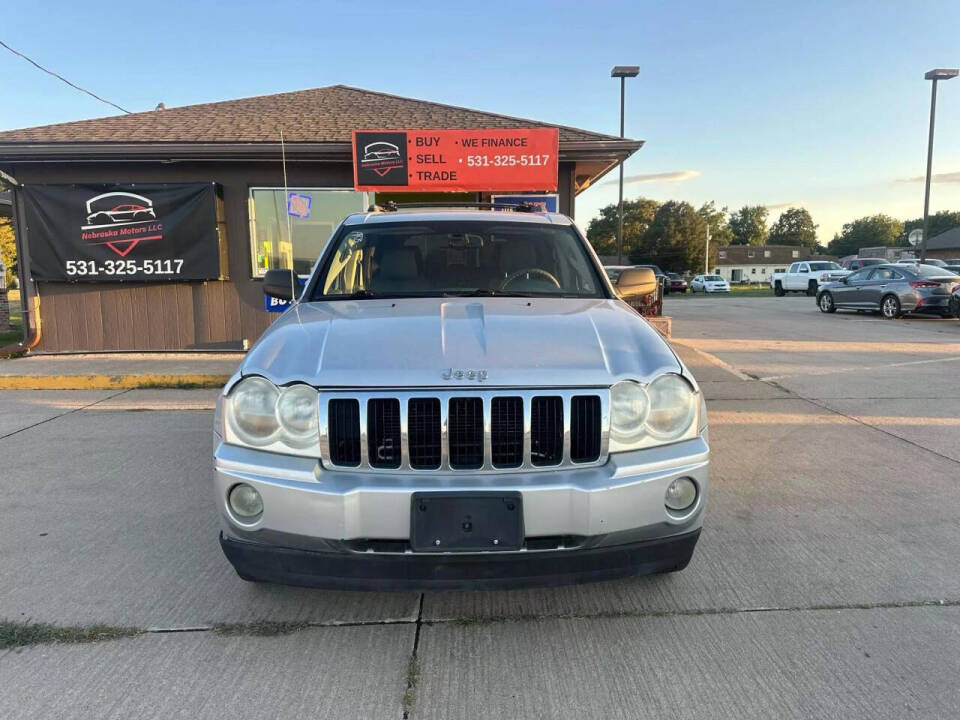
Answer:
(751, 253)
(313, 218)
(723, 254)
(766, 253)
(753, 271)
(795, 253)
(763, 271)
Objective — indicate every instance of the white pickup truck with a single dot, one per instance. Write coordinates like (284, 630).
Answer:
(806, 276)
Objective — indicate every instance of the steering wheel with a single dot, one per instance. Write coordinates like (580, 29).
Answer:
(528, 271)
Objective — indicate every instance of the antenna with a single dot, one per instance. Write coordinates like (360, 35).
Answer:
(286, 196)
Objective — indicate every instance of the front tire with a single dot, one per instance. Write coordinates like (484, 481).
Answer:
(812, 289)
(826, 303)
(890, 307)
(955, 306)
(778, 289)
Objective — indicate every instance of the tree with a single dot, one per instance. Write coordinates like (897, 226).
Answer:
(939, 222)
(871, 231)
(8, 250)
(720, 232)
(602, 230)
(794, 227)
(749, 225)
(675, 239)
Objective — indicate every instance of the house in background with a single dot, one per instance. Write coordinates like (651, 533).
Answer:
(756, 263)
(946, 245)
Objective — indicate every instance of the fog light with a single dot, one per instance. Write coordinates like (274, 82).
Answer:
(681, 494)
(245, 501)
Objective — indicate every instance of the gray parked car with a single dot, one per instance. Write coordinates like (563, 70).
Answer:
(892, 290)
(459, 399)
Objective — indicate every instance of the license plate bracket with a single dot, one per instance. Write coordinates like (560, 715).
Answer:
(466, 521)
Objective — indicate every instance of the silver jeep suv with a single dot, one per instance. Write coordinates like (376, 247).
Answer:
(458, 400)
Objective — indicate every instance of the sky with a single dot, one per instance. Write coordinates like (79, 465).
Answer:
(815, 104)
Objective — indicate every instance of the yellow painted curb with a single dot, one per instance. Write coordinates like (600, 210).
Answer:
(109, 382)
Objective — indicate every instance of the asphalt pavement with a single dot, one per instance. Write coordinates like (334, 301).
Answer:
(825, 583)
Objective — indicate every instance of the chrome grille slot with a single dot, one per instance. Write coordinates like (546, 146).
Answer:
(584, 428)
(546, 431)
(466, 433)
(344, 432)
(506, 424)
(424, 433)
(383, 432)
(483, 431)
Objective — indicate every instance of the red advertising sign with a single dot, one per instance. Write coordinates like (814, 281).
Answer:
(455, 160)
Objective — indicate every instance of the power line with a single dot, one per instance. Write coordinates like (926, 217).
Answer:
(60, 77)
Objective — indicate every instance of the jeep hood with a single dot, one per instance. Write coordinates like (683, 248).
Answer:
(524, 342)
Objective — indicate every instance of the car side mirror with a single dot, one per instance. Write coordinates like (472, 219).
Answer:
(636, 281)
(281, 284)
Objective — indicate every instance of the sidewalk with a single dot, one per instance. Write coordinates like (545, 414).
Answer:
(118, 370)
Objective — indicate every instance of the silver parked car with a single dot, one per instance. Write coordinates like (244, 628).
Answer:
(892, 289)
(709, 284)
(459, 399)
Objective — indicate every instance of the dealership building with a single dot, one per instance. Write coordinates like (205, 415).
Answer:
(188, 207)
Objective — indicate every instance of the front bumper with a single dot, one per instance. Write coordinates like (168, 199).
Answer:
(347, 529)
(452, 571)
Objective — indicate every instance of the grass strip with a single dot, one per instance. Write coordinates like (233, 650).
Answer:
(21, 634)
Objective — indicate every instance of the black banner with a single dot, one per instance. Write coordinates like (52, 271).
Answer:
(117, 233)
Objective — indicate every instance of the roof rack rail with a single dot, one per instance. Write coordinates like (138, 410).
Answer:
(388, 206)
(391, 206)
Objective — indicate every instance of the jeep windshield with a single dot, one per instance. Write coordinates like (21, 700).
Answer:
(456, 258)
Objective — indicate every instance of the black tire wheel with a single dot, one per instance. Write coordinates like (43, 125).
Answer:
(812, 289)
(890, 307)
(826, 304)
(778, 289)
(684, 291)
(955, 306)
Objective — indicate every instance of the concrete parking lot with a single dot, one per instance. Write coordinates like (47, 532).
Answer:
(825, 584)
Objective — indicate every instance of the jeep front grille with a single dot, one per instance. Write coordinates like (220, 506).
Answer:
(345, 432)
(506, 424)
(481, 431)
(383, 432)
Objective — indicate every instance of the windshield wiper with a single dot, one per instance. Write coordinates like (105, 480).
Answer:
(484, 292)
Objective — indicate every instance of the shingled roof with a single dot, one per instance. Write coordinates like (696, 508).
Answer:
(320, 115)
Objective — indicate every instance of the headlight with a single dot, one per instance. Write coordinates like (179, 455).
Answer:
(260, 415)
(629, 406)
(252, 413)
(664, 411)
(673, 406)
(297, 413)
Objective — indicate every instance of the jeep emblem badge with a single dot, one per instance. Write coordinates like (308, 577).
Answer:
(457, 374)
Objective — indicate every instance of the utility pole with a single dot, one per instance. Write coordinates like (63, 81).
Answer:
(934, 75)
(706, 255)
(622, 72)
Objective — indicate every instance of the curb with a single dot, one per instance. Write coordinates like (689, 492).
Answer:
(110, 382)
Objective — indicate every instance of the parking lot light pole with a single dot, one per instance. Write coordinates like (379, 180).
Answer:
(934, 75)
(622, 72)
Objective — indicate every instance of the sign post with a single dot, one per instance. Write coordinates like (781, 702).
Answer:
(523, 159)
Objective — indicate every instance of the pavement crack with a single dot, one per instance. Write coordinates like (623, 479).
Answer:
(18, 633)
(696, 612)
(63, 414)
(413, 666)
(857, 420)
